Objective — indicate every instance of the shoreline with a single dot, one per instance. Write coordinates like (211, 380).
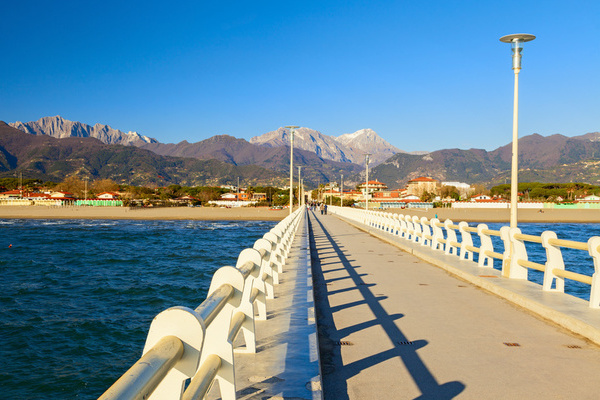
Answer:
(159, 213)
(266, 214)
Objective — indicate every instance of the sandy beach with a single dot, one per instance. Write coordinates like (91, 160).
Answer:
(266, 214)
(169, 213)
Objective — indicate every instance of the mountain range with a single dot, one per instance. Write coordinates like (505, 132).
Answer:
(60, 128)
(48, 158)
(347, 148)
(324, 158)
(541, 158)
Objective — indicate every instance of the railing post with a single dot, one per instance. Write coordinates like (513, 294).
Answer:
(426, 231)
(410, 228)
(266, 268)
(277, 257)
(182, 323)
(554, 259)
(403, 226)
(594, 251)
(247, 304)
(451, 238)
(388, 222)
(418, 232)
(466, 240)
(437, 235)
(519, 253)
(217, 331)
(395, 225)
(505, 236)
(486, 244)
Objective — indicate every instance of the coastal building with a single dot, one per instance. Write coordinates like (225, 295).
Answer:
(108, 196)
(232, 196)
(37, 196)
(373, 186)
(464, 189)
(259, 197)
(185, 199)
(62, 195)
(590, 199)
(422, 184)
(481, 197)
(11, 194)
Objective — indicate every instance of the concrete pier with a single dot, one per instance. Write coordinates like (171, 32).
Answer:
(286, 363)
(392, 326)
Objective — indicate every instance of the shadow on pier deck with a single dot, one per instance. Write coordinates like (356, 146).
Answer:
(393, 326)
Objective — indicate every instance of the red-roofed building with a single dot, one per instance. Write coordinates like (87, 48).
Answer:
(62, 195)
(374, 186)
(481, 197)
(108, 196)
(37, 196)
(11, 194)
(243, 196)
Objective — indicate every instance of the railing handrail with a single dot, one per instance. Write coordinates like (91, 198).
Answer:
(571, 244)
(529, 238)
(415, 229)
(146, 374)
(236, 289)
(214, 303)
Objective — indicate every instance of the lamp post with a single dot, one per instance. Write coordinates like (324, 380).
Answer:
(291, 128)
(342, 191)
(517, 41)
(367, 183)
(299, 187)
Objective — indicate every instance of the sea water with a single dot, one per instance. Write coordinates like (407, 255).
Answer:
(575, 260)
(77, 296)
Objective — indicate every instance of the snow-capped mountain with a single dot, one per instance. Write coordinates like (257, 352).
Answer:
(306, 139)
(59, 127)
(350, 147)
(367, 141)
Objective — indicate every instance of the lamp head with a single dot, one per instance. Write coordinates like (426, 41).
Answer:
(517, 40)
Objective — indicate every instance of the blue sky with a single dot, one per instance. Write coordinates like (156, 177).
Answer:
(425, 75)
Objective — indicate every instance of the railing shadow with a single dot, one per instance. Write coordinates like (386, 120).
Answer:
(335, 373)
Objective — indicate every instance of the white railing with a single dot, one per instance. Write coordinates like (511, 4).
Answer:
(442, 236)
(197, 345)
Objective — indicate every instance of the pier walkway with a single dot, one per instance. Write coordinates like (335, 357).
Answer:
(392, 326)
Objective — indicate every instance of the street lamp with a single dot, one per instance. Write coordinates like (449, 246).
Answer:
(517, 41)
(342, 191)
(299, 187)
(367, 183)
(291, 128)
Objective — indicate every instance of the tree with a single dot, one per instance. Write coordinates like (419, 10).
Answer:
(426, 196)
(104, 185)
(480, 189)
(72, 184)
(450, 191)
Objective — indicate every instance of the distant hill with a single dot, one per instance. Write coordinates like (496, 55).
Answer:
(548, 159)
(239, 152)
(48, 158)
